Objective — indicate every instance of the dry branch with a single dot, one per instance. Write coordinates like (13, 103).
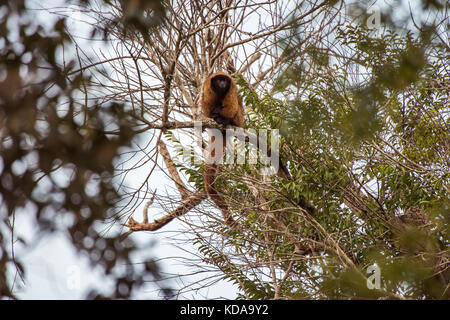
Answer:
(186, 205)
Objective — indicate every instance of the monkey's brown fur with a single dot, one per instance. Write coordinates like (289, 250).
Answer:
(220, 101)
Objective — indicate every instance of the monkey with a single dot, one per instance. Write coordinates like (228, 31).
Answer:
(221, 102)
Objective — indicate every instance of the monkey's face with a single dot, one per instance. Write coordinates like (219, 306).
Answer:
(220, 84)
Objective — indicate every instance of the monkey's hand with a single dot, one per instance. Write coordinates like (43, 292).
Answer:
(215, 114)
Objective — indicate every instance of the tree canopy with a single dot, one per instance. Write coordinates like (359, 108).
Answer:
(359, 94)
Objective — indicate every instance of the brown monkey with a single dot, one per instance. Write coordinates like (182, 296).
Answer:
(221, 102)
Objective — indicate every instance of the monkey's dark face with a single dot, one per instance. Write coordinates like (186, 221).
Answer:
(220, 84)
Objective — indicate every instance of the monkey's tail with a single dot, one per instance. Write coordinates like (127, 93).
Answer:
(210, 176)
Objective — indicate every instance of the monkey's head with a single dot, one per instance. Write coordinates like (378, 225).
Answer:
(221, 84)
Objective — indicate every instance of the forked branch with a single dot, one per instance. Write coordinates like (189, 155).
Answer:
(186, 205)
